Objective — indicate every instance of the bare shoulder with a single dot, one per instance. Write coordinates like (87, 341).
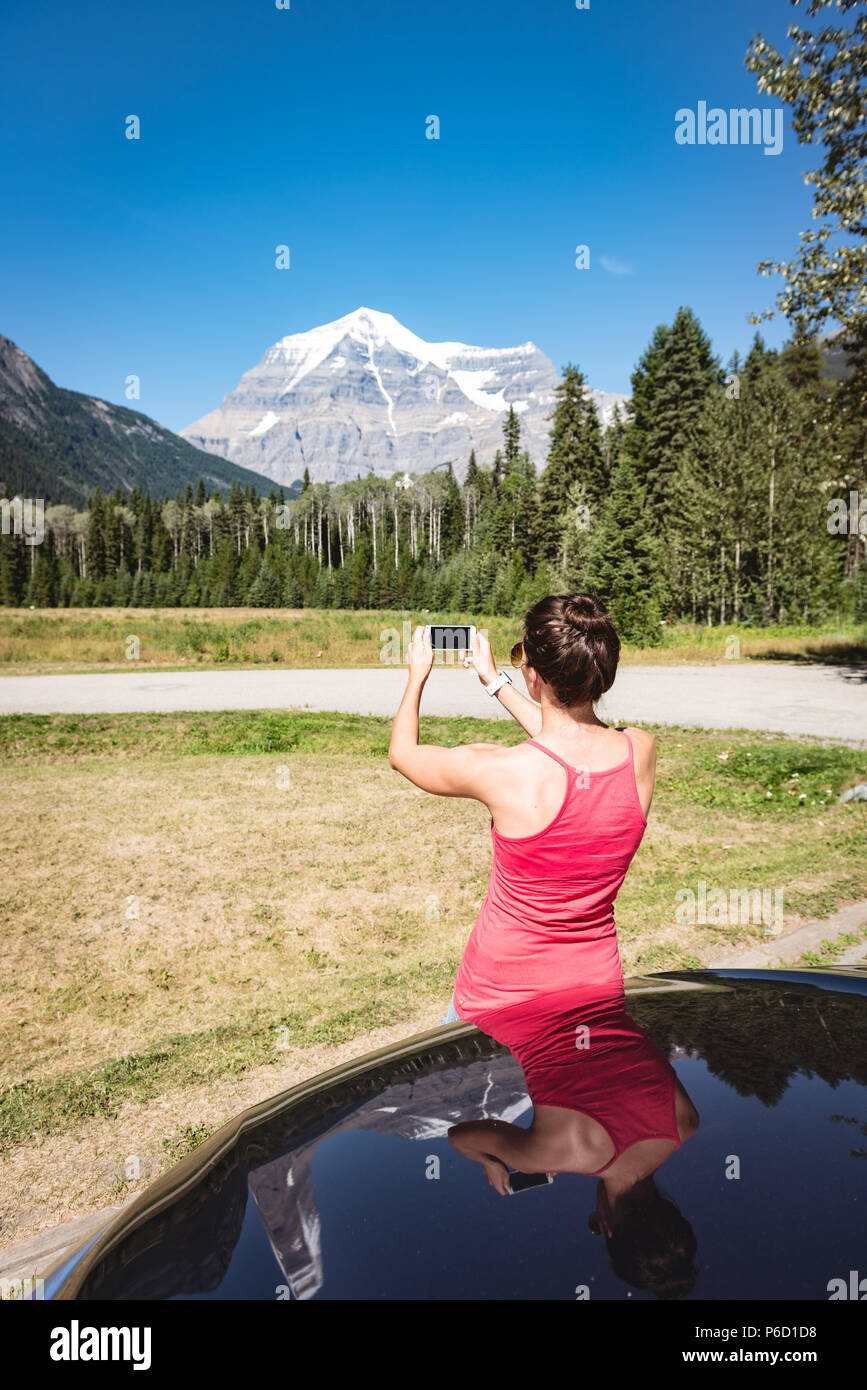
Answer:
(640, 736)
(496, 764)
(502, 753)
(643, 742)
(484, 760)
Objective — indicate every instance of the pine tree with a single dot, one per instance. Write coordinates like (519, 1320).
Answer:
(625, 558)
(42, 588)
(452, 520)
(14, 566)
(292, 595)
(748, 540)
(576, 457)
(669, 389)
(193, 594)
(96, 557)
(123, 589)
(245, 576)
(498, 471)
(472, 493)
(714, 509)
(512, 438)
(803, 365)
(759, 358)
(791, 457)
(612, 441)
(861, 596)
(265, 589)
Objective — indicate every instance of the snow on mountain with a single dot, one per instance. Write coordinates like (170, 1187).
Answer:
(366, 395)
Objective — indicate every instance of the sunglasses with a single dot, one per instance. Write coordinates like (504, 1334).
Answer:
(517, 655)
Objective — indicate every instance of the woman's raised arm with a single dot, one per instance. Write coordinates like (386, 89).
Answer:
(471, 770)
(520, 707)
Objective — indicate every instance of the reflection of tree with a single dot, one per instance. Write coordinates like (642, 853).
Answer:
(185, 1249)
(849, 1120)
(756, 1038)
(862, 1129)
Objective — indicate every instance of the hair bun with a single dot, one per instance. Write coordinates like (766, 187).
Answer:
(585, 612)
(571, 642)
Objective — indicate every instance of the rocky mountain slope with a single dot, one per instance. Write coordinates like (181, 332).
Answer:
(59, 445)
(364, 394)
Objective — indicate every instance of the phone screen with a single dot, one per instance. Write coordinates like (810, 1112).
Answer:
(446, 637)
(520, 1182)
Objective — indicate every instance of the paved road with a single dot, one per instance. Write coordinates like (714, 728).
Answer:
(820, 701)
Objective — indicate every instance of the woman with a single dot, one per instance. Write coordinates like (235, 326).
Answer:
(607, 1103)
(541, 972)
(568, 809)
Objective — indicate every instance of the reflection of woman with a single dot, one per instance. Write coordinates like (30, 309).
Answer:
(568, 808)
(606, 1103)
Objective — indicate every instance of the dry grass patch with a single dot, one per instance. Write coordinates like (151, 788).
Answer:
(182, 896)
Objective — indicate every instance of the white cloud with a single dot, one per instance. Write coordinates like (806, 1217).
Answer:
(615, 267)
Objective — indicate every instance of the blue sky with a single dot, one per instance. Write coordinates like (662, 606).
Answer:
(306, 127)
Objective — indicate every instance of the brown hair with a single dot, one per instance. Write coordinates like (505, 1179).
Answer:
(570, 640)
(653, 1246)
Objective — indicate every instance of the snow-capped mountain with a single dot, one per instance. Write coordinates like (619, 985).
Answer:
(366, 395)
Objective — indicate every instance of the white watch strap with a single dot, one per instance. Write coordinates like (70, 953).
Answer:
(497, 684)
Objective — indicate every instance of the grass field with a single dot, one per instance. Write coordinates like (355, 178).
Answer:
(200, 910)
(43, 641)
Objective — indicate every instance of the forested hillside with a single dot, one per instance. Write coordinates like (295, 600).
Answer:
(709, 501)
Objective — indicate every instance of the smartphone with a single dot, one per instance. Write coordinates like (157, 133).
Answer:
(522, 1182)
(451, 637)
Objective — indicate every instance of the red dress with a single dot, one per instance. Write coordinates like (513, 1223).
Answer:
(585, 1053)
(547, 922)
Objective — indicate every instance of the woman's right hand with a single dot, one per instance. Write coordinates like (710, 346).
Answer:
(497, 1175)
(481, 659)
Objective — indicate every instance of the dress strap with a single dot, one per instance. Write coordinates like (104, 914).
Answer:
(568, 766)
(533, 744)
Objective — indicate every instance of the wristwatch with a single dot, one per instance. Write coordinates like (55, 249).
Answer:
(497, 683)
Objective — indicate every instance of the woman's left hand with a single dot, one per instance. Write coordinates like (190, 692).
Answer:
(420, 656)
(481, 659)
